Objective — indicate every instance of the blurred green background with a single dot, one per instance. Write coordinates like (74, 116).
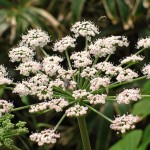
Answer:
(114, 17)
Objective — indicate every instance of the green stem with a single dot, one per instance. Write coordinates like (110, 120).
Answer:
(59, 122)
(95, 61)
(129, 65)
(145, 95)
(62, 91)
(85, 83)
(107, 58)
(86, 44)
(140, 51)
(111, 99)
(116, 84)
(99, 113)
(84, 133)
(20, 108)
(68, 60)
(8, 88)
(44, 52)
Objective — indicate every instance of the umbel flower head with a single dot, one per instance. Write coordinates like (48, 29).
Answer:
(5, 106)
(74, 84)
(35, 38)
(124, 123)
(45, 137)
(3, 76)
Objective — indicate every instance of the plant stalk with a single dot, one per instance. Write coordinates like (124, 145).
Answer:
(84, 133)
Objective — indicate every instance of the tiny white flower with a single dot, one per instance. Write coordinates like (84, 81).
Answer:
(64, 44)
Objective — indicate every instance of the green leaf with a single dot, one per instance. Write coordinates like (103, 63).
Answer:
(145, 88)
(111, 11)
(6, 3)
(142, 107)
(129, 142)
(103, 128)
(124, 12)
(77, 7)
(146, 139)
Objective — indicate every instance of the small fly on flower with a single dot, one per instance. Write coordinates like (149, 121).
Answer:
(66, 83)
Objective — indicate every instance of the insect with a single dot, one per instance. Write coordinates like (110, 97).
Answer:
(102, 19)
(66, 83)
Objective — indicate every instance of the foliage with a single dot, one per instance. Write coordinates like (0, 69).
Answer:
(9, 130)
(132, 140)
(123, 17)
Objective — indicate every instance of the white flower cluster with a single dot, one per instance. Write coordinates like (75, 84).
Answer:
(128, 95)
(21, 54)
(132, 58)
(57, 83)
(143, 43)
(146, 71)
(64, 44)
(105, 46)
(126, 75)
(35, 38)
(98, 82)
(72, 84)
(5, 106)
(108, 68)
(29, 67)
(86, 81)
(38, 85)
(79, 94)
(66, 74)
(47, 136)
(22, 88)
(97, 99)
(88, 72)
(124, 123)
(85, 29)
(3, 76)
(76, 111)
(81, 59)
(54, 104)
(50, 65)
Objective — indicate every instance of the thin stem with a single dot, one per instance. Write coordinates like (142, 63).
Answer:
(85, 83)
(111, 99)
(129, 65)
(116, 84)
(145, 95)
(95, 61)
(68, 60)
(99, 113)
(62, 91)
(107, 58)
(84, 133)
(44, 52)
(140, 51)
(86, 44)
(21, 108)
(8, 88)
(59, 122)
